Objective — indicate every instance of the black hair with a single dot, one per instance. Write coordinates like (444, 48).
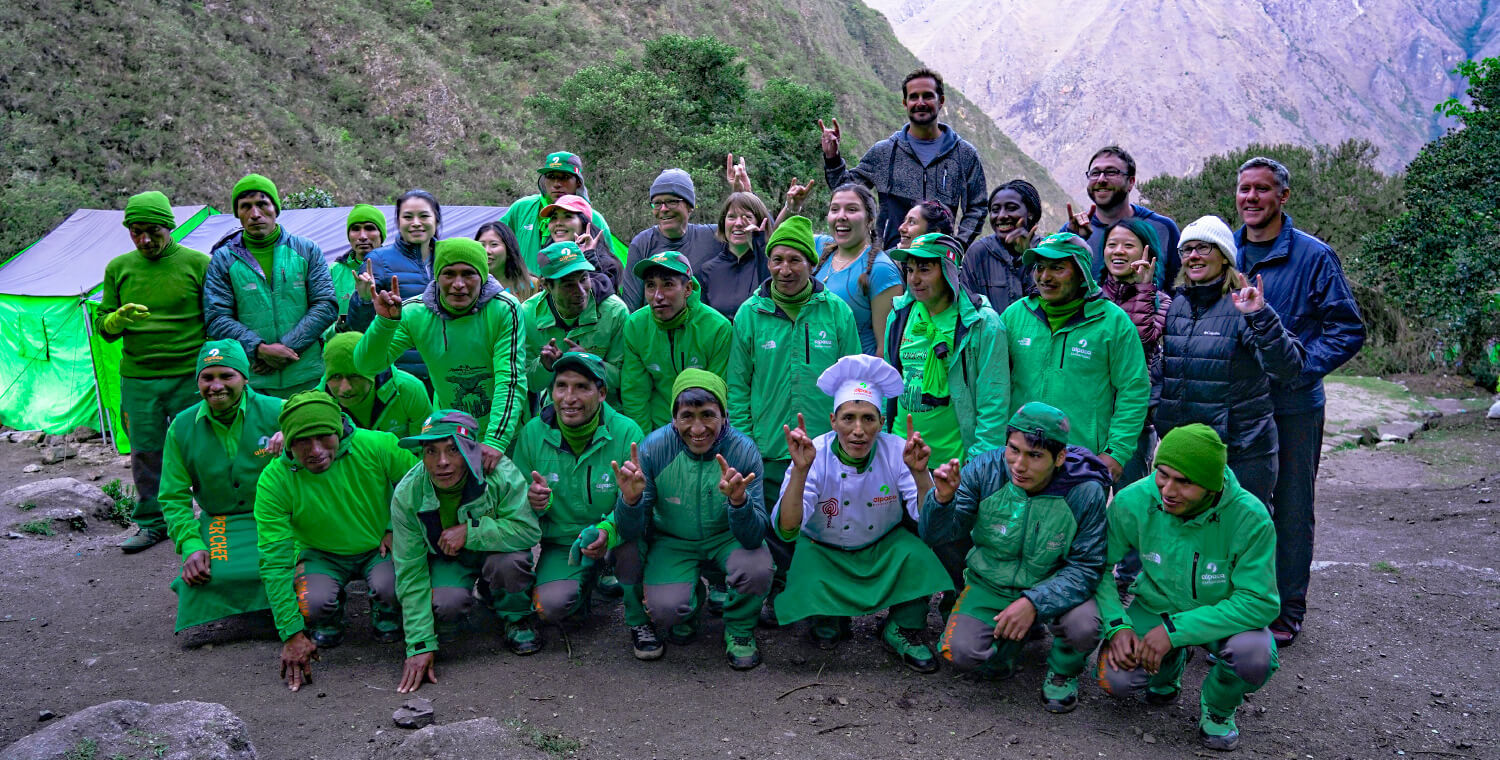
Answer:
(921, 73)
(437, 211)
(1117, 152)
(866, 199)
(1030, 198)
(937, 216)
(656, 270)
(515, 274)
(696, 397)
(1037, 441)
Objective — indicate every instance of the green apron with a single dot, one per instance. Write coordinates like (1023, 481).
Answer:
(234, 563)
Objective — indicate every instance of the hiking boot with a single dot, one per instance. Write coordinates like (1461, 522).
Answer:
(644, 643)
(609, 586)
(1162, 698)
(718, 594)
(742, 651)
(144, 539)
(907, 644)
(1059, 692)
(826, 632)
(1216, 732)
(522, 638)
(327, 637)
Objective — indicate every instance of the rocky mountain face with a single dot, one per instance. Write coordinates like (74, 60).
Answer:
(1175, 81)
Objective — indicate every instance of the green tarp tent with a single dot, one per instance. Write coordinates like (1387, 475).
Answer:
(55, 375)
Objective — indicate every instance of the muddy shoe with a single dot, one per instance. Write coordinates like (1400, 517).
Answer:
(742, 651)
(328, 637)
(718, 594)
(907, 644)
(522, 638)
(644, 643)
(1059, 693)
(1218, 732)
(144, 539)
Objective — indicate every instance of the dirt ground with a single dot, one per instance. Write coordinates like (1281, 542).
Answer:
(1398, 658)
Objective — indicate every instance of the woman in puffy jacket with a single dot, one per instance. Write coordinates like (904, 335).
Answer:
(1223, 346)
(1133, 281)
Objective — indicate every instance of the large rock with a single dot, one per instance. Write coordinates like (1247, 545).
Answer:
(60, 496)
(479, 739)
(175, 731)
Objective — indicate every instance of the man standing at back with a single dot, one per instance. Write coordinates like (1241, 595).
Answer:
(1304, 283)
(561, 174)
(924, 160)
(1111, 176)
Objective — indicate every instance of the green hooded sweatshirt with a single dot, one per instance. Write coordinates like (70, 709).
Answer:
(343, 510)
(775, 361)
(978, 372)
(654, 357)
(1093, 369)
(599, 330)
(583, 485)
(533, 233)
(1208, 577)
(498, 517)
(476, 360)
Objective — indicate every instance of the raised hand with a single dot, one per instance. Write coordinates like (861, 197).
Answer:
(539, 496)
(629, 478)
(799, 446)
(830, 139)
(1144, 268)
(570, 345)
(946, 480)
(796, 195)
(388, 302)
(1247, 299)
(916, 453)
(1019, 238)
(584, 241)
(1081, 224)
(364, 282)
(731, 483)
(549, 354)
(737, 176)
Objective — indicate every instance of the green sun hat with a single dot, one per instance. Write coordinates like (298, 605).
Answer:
(582, 362)
(673, 260)
(1043, 420)
(559, 260)
(933, 245)
(451, 423)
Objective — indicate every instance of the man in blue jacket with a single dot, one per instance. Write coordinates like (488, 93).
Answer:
(924, 160)
(1111, 176)
(1304, 283)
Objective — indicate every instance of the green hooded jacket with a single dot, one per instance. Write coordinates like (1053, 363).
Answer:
(401, 403)
(1209, 577)
(476, 360)
(583, 485)
(654, 357)
(344, 271)
(682, 497)
(1093, 369)
(498, 519)
(343, 510)
(533, 233)
(978, 372)
(599, 330)
(774, 364)
(215, 465)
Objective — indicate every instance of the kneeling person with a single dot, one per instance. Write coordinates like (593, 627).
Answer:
(393, 400)
(1035, 510)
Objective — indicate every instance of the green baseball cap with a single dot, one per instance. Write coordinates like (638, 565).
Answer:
(581, 362)
(933, 245)
(673, 260)
(1059, 245)
(562, 161)
(559, 260)
(1043, 420)
(451, 423)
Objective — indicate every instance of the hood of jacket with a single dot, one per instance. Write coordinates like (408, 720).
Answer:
(1079, 467)
(487, 292)
(968, 303)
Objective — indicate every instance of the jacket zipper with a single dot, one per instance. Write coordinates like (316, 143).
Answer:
(1025, 526)
(1194, 579)
(589, 481)
(807, 344)
(672, 352)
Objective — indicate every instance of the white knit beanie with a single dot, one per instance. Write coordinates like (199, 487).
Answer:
(1211, 229)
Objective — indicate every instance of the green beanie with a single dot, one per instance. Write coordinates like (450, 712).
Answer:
(310, 413)
(700, 378)
(150, 207)
(795, 232)
(364, 212)
(1195, 451)
(338, 356)
(461, 251)
(254, 183)
(224, 353)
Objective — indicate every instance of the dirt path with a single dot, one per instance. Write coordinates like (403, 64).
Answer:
(1398, 656)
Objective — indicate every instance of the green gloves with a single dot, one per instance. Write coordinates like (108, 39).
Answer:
(585, 537)
(128, 314)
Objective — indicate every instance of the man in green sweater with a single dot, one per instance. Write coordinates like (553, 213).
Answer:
(560, 174)
(1208, 579)
(394, 400)
(215, 452)
(674, 331)
(365, 228)
(271, 291)
(453, 526)
(153, 298)
(576, 311)
(322, 516)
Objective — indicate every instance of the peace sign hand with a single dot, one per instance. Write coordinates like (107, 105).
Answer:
(629, 478)
(1247, 299)
(388, 302)
(830, 139)
(731, 483)
(946, 480)
(917, 453)
(799, 446)
(796, 195)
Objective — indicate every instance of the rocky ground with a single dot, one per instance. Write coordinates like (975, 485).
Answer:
(1397, 659)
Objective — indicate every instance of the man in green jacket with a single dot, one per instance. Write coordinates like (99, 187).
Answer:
(692, 491)
(1208, 579)
(453, 526)
(394, 400)
(1035, 511)
(560, 174)
(365, 228)
(567, 451)
(153, 298)
(673, 332)
(575, 311)
(1072, 348)
(271, 291)
(215, 452)
(322, 517)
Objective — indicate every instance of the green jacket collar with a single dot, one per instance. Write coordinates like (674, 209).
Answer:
(553, 437)
(764, 304)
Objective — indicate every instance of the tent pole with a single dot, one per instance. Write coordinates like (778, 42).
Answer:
(88, 330)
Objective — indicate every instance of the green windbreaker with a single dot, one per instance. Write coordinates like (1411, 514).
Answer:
(599, 330)
(654, 357)
(583, 485)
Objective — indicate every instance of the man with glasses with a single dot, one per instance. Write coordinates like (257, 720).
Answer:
(1111, 176)
(673, 198)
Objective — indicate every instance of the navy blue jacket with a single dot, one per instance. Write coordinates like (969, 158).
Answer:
(1305, 284)
(403, 260)
(891, 168)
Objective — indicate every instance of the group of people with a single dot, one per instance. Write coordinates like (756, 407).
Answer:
(1110, 432)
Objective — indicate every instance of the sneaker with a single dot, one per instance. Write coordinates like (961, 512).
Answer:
(144, 539)
(742, 651)
(522, 638)
(644, 643)
(1216, 732)
(1162, 698)
(907, 644)
(1059, 692)
(328, 637)
(609, 587)
(826, 633)
(388, 635)
(718, 594)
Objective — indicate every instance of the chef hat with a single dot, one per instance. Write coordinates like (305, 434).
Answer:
(861, 378)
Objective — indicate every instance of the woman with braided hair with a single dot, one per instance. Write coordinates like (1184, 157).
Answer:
(855, 268)
(992, 266)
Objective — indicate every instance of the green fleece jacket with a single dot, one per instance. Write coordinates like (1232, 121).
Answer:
(214, 464)
(344, 271)
(476, 360)
(495, 514)
(599, 330)
(400, 404)
(582, 483)
(654, 357)
(343, 510)
(534, 233)
(166, 343)
(682, 497)
(1208, 577)
(1093, 368)
(979, 372)
(775, 361)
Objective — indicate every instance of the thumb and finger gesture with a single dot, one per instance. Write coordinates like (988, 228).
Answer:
(1248, 299)
(799, 446)
(731, 483)
(946, 479)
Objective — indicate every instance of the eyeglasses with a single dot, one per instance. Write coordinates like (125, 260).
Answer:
(1198, 249)
(664, 205)
(1110, 173)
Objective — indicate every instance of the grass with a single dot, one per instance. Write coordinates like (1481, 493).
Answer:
(37, 528)
(1384, 567)
(124, 497)
(27, 506)
(551, 742)
(86, 749)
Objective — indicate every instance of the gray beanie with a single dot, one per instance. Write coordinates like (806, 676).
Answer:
(675, 182)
